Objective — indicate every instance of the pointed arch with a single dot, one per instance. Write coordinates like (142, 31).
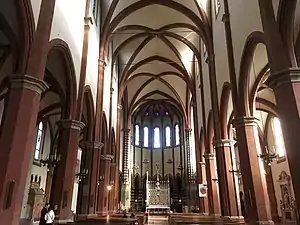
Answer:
(252, 41)
(210, 132)
(225, 99)
(71, 90)
(90, 111)
(104, 138)
(27, 20)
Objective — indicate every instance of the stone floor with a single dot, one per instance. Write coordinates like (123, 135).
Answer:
(161, 220)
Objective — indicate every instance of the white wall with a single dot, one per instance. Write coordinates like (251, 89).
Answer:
(34, 170)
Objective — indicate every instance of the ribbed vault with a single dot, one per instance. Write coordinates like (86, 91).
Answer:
(155, 45)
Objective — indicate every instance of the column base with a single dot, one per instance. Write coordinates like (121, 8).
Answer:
(268, 222)
(102, 214)
(66, 216)
(214, 214)
(234, 218)
(81, 217)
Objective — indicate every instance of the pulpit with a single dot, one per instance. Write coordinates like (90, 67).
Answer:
(35, 200)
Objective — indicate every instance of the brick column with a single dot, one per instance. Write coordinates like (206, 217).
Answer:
(88, 163)
(127, 187)
(16, 141)
(104, 178)
(64, 175)
(256, 196)
(117, 159)
(212, 188)
(204, 201)
(112, 197)
(286, 88)
(188, 134)
(82, 197)
(126, 133)
(95, 148)
(225, 146)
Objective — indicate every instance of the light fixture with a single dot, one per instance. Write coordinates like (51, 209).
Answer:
(101, 179)
(82, 175)
(170, 161)
(109, 187)
(146, 161)
(268, 157)
(237, 171)
(51, 161)
(135, 167)
(180, 167)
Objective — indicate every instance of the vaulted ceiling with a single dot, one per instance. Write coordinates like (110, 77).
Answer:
(154, 43)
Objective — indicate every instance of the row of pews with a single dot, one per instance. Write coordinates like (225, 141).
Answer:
(114, 219)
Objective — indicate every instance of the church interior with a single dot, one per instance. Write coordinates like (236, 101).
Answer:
(132, 111)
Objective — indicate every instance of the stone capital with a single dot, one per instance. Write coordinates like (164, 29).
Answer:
(210, 58)
(107, 157)
(120, 107)
(224, 143)
(202, 163)
(102, 63)
(188, 130)
(94, 145)
(287, 76)
(88, 21)
(70, 124)
(209, 156)
(126, 130)
(245, 121)
(28, 82)
(225, 18)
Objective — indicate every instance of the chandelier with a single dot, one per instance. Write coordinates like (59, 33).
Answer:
(51, 161)
(146, 161)
(236, 171)
(82, 175)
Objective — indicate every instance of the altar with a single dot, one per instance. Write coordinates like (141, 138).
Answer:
(157, 195)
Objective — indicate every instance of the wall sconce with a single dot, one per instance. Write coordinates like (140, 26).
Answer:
(146, 161)
(237, 171)
(101, 179)
(51, 161)
(109, 187)
(170, 161)
(180, 167)
(268, 157)
(135, 167)
(82, 175)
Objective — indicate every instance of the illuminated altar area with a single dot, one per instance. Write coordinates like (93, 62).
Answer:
(157, 195)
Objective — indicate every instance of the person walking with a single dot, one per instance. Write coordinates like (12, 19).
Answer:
(43, 213)
(50, 216)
